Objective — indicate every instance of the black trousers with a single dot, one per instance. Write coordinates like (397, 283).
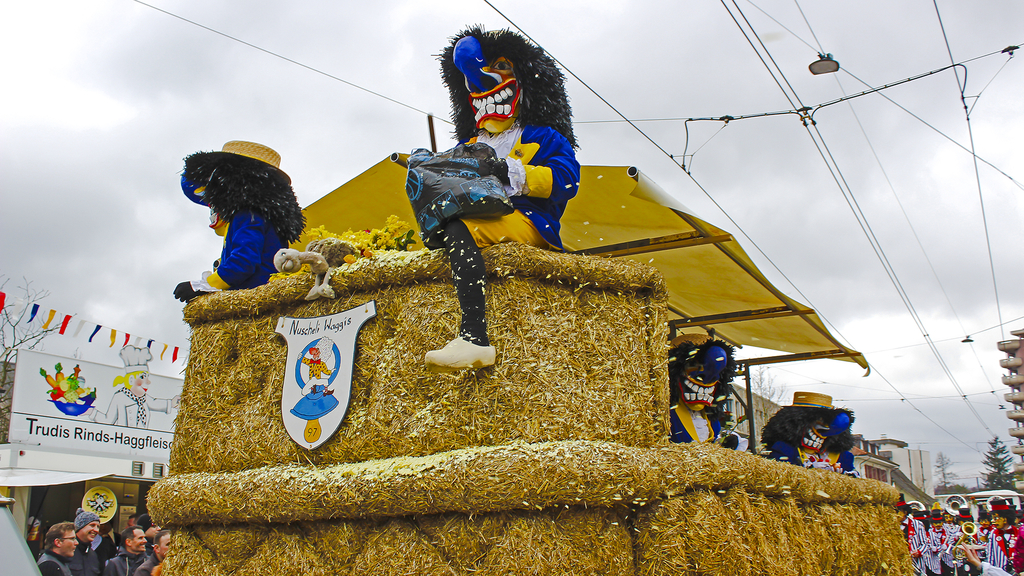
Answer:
(470, 279)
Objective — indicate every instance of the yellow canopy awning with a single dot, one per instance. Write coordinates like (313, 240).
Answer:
(620, 213)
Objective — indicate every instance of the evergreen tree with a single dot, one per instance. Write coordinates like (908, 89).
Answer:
(998, 468)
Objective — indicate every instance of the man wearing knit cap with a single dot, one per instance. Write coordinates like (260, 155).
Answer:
(150, 528)
(86, 562)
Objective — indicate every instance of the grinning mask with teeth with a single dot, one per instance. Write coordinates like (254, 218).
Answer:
(497, 78)
(815, 429)
(493, 91)
(700, 375)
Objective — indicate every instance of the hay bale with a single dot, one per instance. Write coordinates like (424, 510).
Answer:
(490, 479)
(581, 344)
(572, 540)
(712, 534)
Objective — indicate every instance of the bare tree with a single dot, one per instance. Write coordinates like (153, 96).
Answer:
(762, 383)
(944, 473)
(16, 333)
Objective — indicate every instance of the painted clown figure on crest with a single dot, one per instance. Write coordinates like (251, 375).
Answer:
(699, 370)
(811, 433)
(508, 94)
(252, 206)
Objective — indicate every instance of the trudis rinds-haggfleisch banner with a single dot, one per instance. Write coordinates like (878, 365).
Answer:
(74, 405)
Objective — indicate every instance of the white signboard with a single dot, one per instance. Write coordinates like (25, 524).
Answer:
(73, 405)
(318, 372)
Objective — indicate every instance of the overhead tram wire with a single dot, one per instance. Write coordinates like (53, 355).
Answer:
(940, 132)
(814, 109)
(913, 231)
(977, 176)
(851, 200)
(806, 21)
(289, 60)
(659, 147)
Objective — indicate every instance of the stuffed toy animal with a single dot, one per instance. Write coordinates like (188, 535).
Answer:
(252, 206)
(700, 370)
(811, 433)
(323, 256)
(506, 93)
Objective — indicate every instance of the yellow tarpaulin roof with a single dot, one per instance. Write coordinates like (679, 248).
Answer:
(620, 213)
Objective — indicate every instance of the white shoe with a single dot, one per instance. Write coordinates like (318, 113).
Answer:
(459, 354)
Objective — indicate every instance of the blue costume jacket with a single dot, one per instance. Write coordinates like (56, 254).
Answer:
(552, 179)
(545, 147)
(679, 432)
(247, 259)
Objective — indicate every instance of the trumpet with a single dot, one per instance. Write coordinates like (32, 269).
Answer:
(968, 536)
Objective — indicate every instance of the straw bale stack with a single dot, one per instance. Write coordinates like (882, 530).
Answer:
(581, 345)
(554, 461)
(567, 507)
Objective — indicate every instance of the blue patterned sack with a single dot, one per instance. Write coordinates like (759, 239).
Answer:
(453, 185)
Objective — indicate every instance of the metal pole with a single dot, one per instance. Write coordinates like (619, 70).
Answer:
(433, 140)
(751, 428)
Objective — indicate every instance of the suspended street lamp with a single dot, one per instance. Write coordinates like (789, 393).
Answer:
(823, 65)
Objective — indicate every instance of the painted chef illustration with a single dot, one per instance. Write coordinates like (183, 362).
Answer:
(131, 404)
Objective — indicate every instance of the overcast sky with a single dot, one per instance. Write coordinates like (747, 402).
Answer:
(103, 99)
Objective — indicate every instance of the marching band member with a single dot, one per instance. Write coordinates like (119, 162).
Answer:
(936, 544)
(951, 533)
(963, 568)
(998, 549)
(915, 532)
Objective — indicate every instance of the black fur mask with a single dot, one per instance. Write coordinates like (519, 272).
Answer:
(544, 101)
(688, 359)
(236, 183)
(792, 423)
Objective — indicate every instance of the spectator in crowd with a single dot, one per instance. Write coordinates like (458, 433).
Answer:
(161, 543)
(86, 561)
(150, 528)
(58, 549)
(104, 543)
(131, 555)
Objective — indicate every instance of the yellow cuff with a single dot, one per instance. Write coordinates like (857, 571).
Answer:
(216, 282)
(538, 181)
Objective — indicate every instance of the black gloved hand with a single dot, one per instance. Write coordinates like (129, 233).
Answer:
(184, 291)
(495, 167)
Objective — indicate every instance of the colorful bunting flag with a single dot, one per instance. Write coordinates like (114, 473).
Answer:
(64, 324)
(18, 306)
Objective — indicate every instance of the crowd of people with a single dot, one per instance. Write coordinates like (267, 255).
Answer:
(952, 542)
(85, 547)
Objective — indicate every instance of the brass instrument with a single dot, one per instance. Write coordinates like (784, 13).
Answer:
(968, 536)
(917, 506)
(954, 503)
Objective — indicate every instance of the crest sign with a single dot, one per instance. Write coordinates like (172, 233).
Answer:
(318, 372)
